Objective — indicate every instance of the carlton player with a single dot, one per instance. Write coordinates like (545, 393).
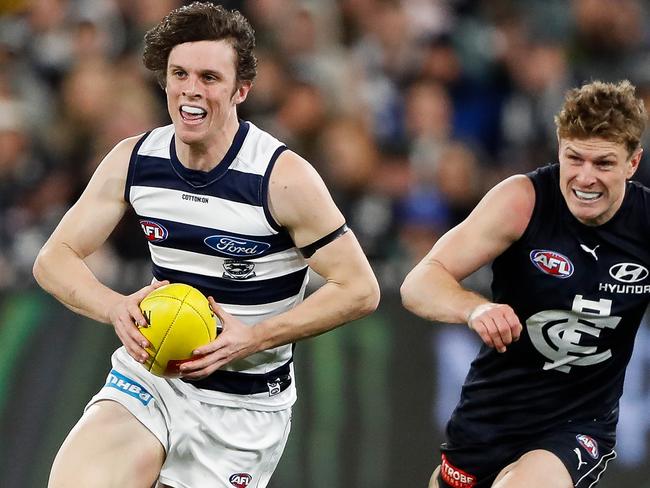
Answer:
(569, 244)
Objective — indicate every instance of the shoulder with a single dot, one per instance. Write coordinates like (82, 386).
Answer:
(516, 192)
(117, 160)
(507, 208)
(109, 178)
(299, 199)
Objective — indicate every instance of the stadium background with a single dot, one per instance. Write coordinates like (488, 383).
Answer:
(410, 110)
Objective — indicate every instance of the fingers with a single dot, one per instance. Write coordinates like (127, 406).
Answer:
(496, 324)
(133, 340)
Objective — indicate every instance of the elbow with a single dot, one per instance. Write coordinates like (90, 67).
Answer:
(40, 268)
(367, 299)
(37, 269)
(409, 296)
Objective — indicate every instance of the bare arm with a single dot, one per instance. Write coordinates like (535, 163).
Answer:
(60, 268)
(300, 202)
(432, 289)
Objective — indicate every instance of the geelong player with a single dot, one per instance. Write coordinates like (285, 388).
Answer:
(228, 209)
(570, 247)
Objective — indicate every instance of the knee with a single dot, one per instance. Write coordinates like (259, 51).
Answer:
(433, 482)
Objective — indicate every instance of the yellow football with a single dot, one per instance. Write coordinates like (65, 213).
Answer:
(180, 320)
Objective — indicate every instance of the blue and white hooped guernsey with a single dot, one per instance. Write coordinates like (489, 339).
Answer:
(214, 231)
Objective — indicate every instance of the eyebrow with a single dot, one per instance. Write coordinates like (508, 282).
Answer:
(599, 158)
(202, 71)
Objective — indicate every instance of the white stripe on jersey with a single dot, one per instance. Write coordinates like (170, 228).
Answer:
(216, 213)
(256, 151)
(267, 267)
(157, 143)
(253, 314)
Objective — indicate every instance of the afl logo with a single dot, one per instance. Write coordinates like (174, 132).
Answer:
(240, 480)
(152, 231)
(628, 272)
(552, 263)
(589, 444)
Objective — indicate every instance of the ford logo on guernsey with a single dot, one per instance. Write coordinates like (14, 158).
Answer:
(552, 263)
(153, 231)
(236, 246)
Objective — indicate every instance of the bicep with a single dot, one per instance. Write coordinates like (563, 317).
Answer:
(496, 222)
(341, 261)
(300, 201)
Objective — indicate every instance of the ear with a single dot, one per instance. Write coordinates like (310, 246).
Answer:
(633, 164)
(241, 92)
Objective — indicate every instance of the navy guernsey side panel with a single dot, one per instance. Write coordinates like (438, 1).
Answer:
(580, 293)
(213, 230)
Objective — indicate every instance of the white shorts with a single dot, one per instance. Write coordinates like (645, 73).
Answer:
(205, 444)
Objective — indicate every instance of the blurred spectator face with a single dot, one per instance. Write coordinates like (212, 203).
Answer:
(269, 84)
(350, 154)
(44, 15)
(89, 41)
(303, 109)
(147, 13)
(133, 111)
(201, 76)
(391, 25)
(301, 38)
(13, 140)
(12, 145)
(457, 175)
(539, 66)
(612, 24)
(87, 90)
(441, 63)
(428, 111)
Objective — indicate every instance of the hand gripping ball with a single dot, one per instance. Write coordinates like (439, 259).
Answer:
(180, 320)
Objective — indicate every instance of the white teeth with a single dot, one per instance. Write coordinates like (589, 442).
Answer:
(193, 110)
(585, 195)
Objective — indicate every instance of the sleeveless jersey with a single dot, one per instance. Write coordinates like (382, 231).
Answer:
(580, 293)
(214, 231)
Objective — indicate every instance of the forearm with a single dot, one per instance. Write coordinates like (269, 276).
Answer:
(432, 293)
(63, 274)
(332, 305)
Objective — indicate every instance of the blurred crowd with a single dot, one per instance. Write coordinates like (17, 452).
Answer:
(410, 110)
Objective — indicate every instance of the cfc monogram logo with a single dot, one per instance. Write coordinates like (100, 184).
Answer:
(557, 334)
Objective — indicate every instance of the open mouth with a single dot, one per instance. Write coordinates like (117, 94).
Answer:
(587, 196)
(190, 113)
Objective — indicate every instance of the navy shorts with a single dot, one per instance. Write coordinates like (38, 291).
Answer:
(584, 453)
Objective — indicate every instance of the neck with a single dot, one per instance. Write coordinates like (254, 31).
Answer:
(207, 154)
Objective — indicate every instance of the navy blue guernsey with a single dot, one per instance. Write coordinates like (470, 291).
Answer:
(214, 231)
(580, 293)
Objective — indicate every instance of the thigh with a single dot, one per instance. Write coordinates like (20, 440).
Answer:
(535, 469)
(108, 448)
(222, 447)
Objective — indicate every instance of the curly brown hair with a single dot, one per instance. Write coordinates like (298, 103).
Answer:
(609, 111)
(201, 21)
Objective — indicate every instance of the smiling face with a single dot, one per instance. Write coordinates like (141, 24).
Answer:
(593, 173)
(203, 92)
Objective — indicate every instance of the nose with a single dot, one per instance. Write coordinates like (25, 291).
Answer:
(586, 176)
(190, 88)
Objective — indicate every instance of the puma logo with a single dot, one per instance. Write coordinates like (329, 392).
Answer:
(580, 461)
(590, 251)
